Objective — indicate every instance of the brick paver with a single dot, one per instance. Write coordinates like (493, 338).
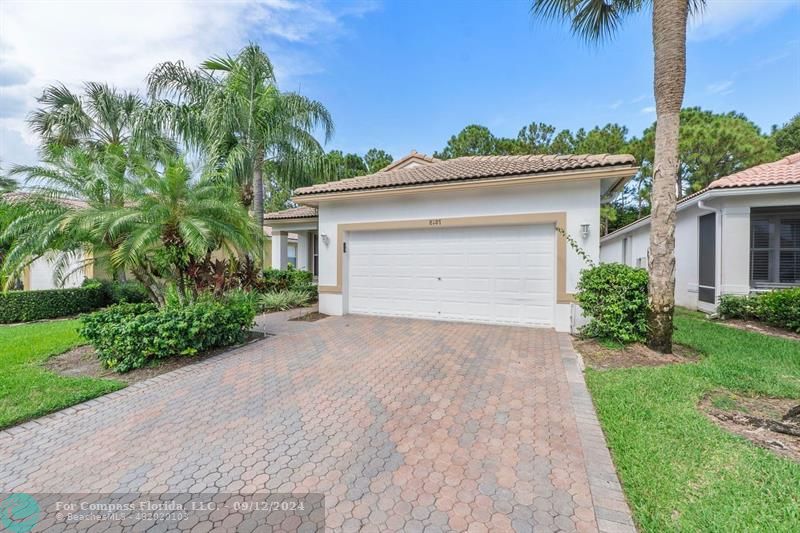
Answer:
(401, 424)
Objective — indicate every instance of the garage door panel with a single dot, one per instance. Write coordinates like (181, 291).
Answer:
(502, 274)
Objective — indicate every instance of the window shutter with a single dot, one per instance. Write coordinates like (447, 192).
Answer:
(759, 265)
(790, 233)
(759, 233)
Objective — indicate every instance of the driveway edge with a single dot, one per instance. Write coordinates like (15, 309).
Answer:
(610, 507)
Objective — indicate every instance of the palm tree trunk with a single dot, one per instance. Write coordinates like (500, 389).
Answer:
(258, 189)
(669, 44)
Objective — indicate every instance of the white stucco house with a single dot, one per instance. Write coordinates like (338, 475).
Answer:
(467, 239)
(738, 235)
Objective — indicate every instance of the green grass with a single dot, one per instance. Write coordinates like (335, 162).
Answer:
(679, 471)
(26, 389)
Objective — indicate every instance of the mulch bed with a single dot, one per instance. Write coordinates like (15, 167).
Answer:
(83, 362)
(760, 327)
(599, 357)
(309, 317)
(762, 421)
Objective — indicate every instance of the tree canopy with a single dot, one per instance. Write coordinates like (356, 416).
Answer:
(787, 136)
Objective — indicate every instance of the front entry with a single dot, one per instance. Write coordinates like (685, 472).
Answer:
(488, 274)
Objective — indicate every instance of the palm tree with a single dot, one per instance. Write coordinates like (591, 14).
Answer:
(233, 108)
(100, 117)
(597, 20)
(7, 184)
(175, 219)
(59, 191)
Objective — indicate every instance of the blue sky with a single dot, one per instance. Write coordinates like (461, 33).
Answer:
(411, 74)
(408, 74)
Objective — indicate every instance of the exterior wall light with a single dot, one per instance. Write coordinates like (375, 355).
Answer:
(325, 239)
(585, 230)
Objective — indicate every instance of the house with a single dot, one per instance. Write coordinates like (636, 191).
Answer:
(466, 239)
(738, 235)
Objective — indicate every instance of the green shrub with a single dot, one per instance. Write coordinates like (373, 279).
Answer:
(779, 308)
(614, 299)
(283, 300)
(120, 291)
(24, 306)
(276, 280)
(735, 306)
(128, 336)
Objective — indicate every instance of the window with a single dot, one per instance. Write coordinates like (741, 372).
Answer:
(291, 253)
(775, 247)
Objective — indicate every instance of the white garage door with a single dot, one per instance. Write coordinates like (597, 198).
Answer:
(495, 274)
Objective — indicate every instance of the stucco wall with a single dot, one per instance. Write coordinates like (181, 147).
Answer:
(41, 275)
(581, 202)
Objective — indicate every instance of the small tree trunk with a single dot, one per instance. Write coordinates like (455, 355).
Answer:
(258, 189)
(669, 45)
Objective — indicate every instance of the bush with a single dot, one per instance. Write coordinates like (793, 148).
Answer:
(284, 300)
(733, 306)
(614, 298)
(779, 308)
(128, 336)
(276, 280)
(120, 291)
(24, 306)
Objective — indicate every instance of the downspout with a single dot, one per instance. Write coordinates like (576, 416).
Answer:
(717, 243)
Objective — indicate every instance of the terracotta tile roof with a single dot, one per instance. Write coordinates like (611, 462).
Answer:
(785, 171)
(17, 196)
(412, 157)
(470, 168)
(294, 212)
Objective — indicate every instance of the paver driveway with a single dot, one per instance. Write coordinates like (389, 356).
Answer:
(402, 424)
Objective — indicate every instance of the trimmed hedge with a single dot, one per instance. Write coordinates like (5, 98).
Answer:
(779, 308)
(25, 306)
(614, 297)
(128, 336)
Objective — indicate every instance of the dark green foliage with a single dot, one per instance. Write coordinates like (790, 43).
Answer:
(787, 137)
(779, 308)
(128, 336)
(291, 279)
(614, 297)
(25, 306)
(120, 291)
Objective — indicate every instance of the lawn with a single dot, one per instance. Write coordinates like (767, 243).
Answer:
(681, 472)
(26, 389)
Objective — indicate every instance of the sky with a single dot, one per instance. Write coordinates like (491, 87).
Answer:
(405, 74)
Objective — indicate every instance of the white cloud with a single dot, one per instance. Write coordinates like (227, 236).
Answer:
(721, 17)
(721, 87)
(616, 104)
(119, 42)
(648, 109)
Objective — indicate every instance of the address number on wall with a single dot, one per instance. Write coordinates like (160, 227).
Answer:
(435, 222)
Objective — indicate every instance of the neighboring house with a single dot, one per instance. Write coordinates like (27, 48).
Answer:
(738, 235)
(40, 274)
(467, 239)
